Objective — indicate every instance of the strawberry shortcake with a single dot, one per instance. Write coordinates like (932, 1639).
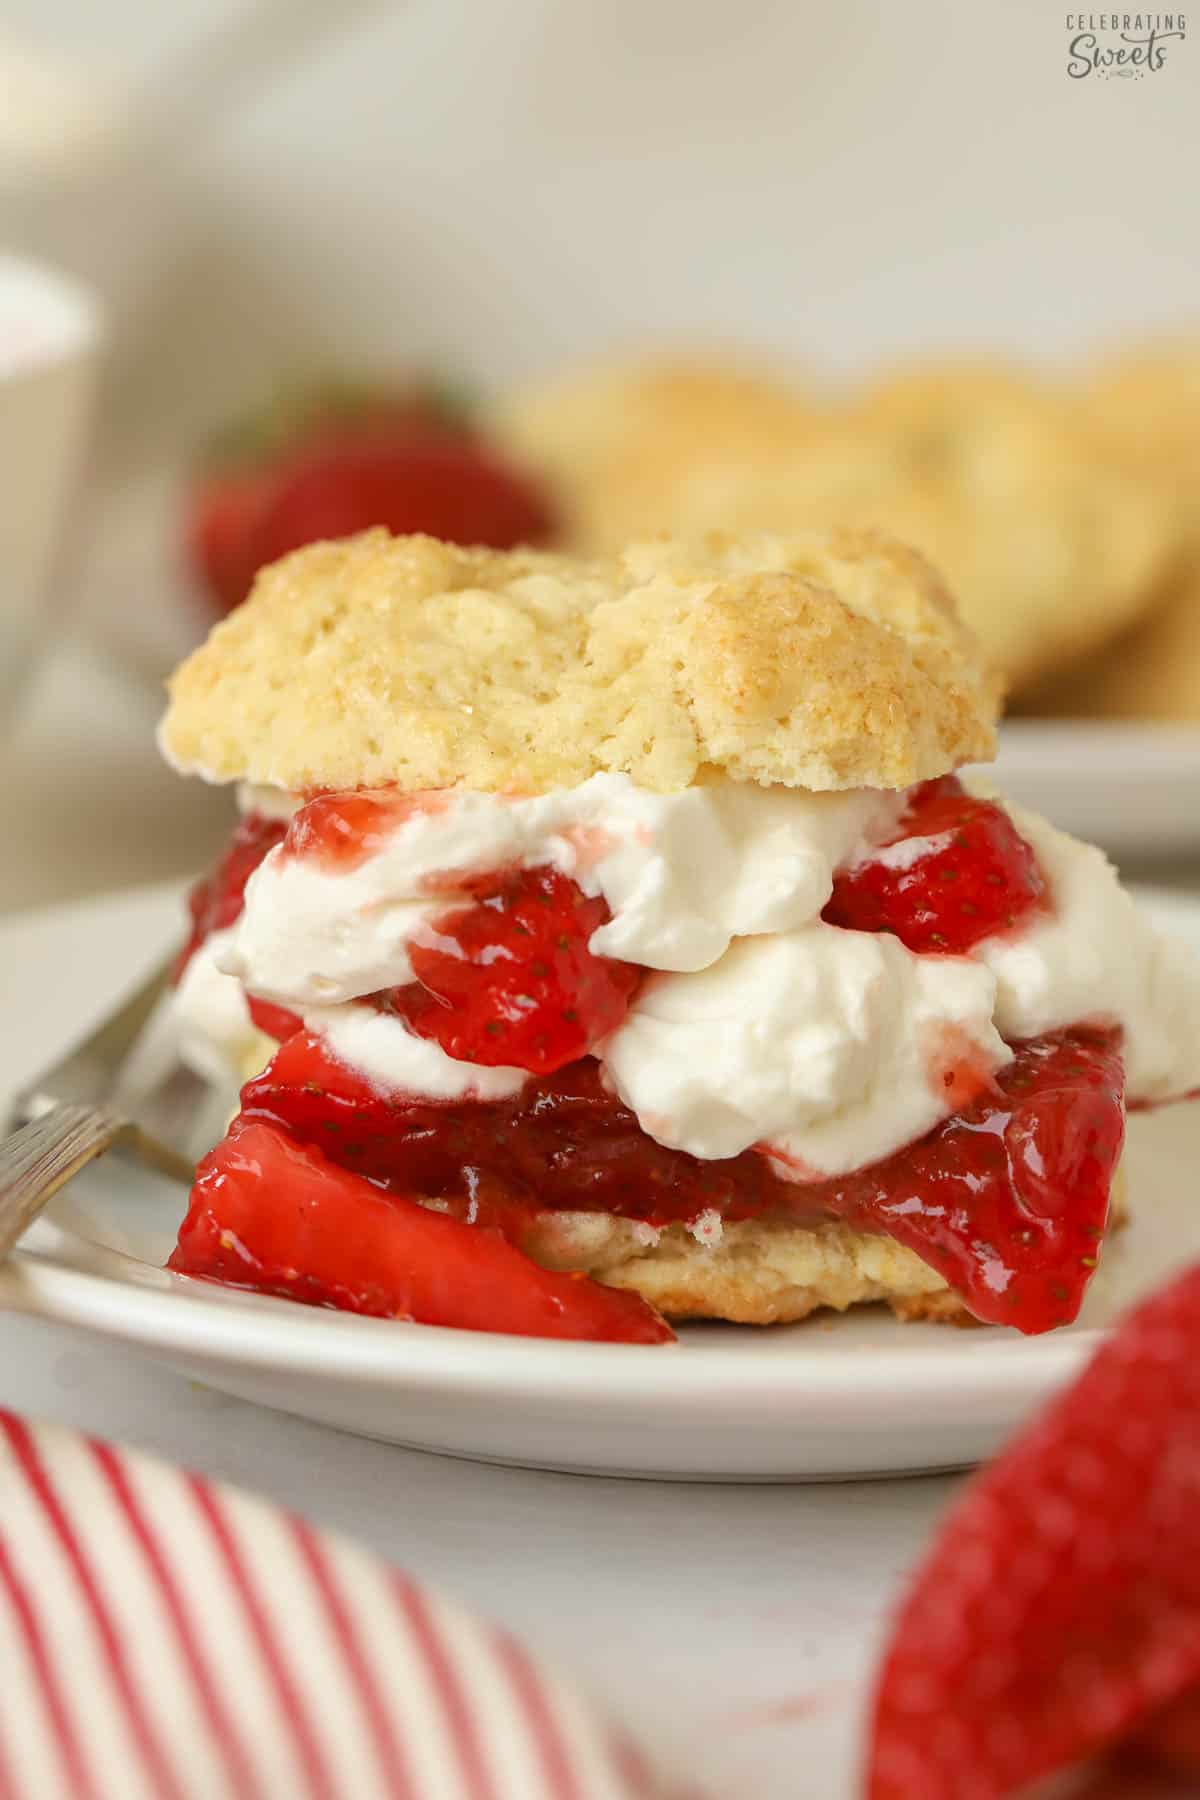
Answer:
(612, 941)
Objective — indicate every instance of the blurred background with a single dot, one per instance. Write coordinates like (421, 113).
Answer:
(487, 194)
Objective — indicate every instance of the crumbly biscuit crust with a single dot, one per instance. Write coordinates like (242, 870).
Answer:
(818, 659)
(754, 1272)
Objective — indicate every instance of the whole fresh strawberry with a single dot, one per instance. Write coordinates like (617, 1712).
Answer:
(333, 458)
(1058, 1613)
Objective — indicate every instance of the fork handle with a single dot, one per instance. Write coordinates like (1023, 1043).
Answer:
(42, 1156)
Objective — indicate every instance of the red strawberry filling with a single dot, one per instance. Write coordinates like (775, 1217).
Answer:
(277, 1216)
(965, 873)
(509, 979)
(1007, 1199)
(216, 902)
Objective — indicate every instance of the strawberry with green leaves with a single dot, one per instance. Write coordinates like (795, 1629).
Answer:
(329, 459)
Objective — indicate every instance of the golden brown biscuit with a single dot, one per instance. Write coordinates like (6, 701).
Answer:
(614, 438)
(821, 660)
(754, 1273)
(1051, 541)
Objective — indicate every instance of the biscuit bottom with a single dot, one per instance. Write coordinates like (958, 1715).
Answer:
(752, 1272)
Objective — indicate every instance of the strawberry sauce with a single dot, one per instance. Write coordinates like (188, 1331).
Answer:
(216, 902)
(1007, 1199)
(343, 830)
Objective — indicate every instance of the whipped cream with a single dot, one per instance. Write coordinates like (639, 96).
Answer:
(825, 1047)
(760, 1025)
(682, 874)
(396, 1060)
(1096, 957)
(214, 1032)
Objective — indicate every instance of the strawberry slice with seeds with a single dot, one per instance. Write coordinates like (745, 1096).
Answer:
(510, 980)
(276, 1216)
(1059, 1610)
(959, 872)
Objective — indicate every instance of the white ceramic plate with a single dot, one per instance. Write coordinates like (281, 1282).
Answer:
(832, 1397)
(1133, 788)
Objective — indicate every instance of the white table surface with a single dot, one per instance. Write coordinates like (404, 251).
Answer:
(732, 1626)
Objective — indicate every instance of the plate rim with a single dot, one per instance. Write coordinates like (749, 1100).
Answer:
(261, 1331)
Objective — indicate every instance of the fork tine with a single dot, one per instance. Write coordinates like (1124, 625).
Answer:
(130, 1067)
(43, 1155)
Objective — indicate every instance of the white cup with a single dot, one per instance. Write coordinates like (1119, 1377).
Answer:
(49, 342)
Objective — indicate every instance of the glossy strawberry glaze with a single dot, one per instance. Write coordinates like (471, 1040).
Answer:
(1007, 1199)
(216, 902)
(340, 831)
(970, 876)
(276, 1216)
(509, 979)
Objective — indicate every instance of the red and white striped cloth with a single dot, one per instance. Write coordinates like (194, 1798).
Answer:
(165, 1638)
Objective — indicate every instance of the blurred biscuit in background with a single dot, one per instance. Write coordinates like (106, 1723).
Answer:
(1053, 541)
(616, 439)
(1144, 401)
(1152, 672)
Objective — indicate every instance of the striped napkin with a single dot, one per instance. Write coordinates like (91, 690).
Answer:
(166, 1638)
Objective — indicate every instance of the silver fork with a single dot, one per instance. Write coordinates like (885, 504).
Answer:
(124, 1085)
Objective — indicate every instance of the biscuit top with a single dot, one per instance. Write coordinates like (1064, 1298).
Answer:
(820, 660)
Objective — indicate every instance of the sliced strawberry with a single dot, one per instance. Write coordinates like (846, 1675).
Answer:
(1059, 1609)
(1008, 1199)
(278, 1217)
(343, 828)
(275, 1021)
(563, 1142)
(216, 902)
(958, 872)
(510, 980)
